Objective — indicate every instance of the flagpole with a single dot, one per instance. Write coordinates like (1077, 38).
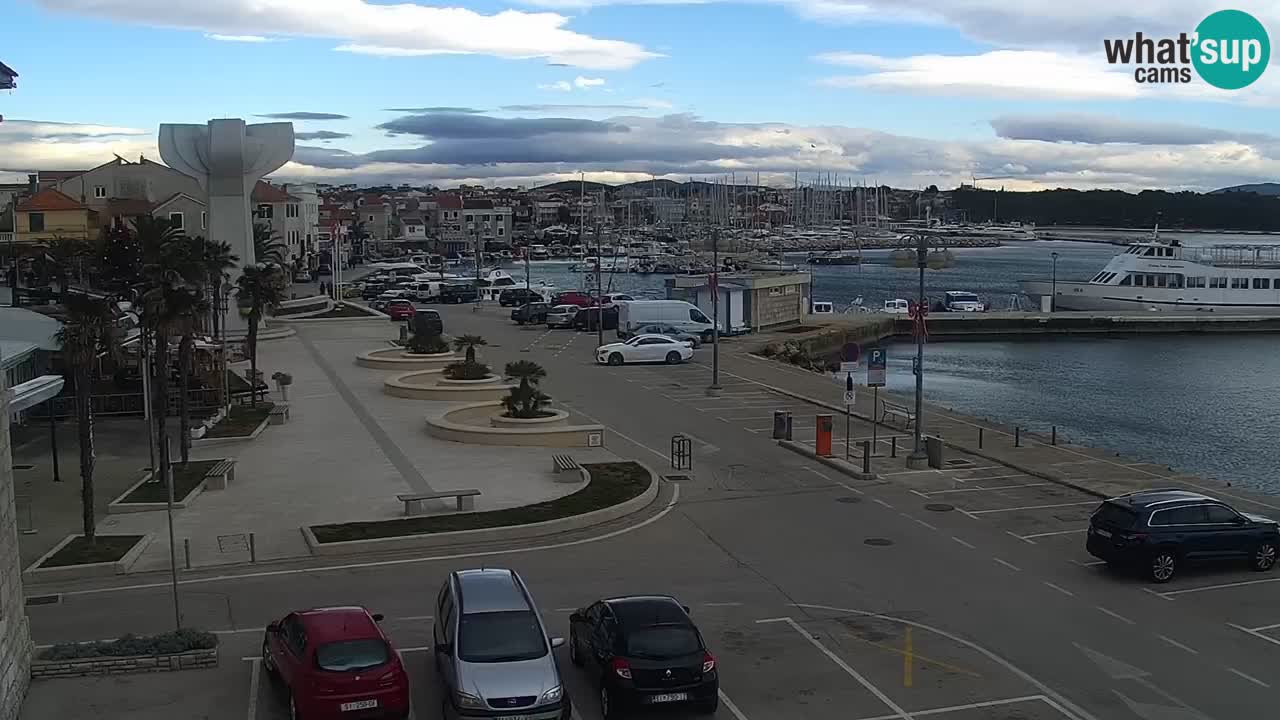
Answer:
(714, 389)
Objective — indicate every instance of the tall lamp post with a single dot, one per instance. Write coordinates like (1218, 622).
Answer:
(1053, 293)
(714, 388)
(919, 458)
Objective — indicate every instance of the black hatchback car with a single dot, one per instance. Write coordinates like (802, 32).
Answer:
(534, 312)
(1158, 531)
(516, 297)
(459, 293)
(643, 651)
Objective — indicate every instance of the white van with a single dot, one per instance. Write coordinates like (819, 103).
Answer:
(685, 316)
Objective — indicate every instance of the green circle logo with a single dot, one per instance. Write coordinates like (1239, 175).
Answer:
(1232, 49)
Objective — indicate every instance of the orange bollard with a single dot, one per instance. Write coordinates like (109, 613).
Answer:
(824, 435)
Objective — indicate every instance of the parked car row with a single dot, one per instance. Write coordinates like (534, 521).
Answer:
(494, 656)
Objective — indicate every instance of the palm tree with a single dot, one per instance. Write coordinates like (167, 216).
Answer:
(62, 253)
(258, 290)
(86, 334)
(468, 343)
(525, 400)
(217, 261)
(268, 248)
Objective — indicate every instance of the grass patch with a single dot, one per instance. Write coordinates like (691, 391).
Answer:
(185, 479)
(344, 311)
(611, 484)
(105, 548)
(241, 421)
(295, 309)
(132, 645)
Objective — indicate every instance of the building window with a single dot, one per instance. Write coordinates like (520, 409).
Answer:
(265, 212)
(175, 220)
(204, 220)
(370, 218)
(500, 231)
(99, 191)
(291, 210)
(485, 218)
(35, 221)
(469, 218)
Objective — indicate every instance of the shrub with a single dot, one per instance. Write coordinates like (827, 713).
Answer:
(162, 644)
(428, 344)
(466, 370)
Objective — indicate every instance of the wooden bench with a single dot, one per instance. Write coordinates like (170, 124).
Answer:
(279, 414)
(220, 475)
(888, 409)
(413, 504)
(563, 463)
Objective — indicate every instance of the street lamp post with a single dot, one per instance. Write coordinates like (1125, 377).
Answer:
(714, 388)
(918, 457)
(1053, 293)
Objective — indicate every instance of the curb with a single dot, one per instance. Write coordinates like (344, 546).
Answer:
(119, 507)
(34, 574)
(205, 442)
(834, 463)
(498, 534)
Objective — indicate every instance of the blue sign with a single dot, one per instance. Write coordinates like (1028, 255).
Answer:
(852, 352)
(876, 367)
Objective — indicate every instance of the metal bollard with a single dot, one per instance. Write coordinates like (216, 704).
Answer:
(980, 438)
(893, 446)
(1017, 437)
(253, 549)
(1053, 435)
(866, 457)
(186, 551)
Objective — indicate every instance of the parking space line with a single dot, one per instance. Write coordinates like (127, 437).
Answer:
(966, 512)
(1177, 644)
(1114, 614)
(969, 706)
(1250, 678)
(917, 492)
(962, 542)
(981, 489)
(898, 711)
(1033, 507)
(1093, 563)
(1007, 564)
(881, 502)
(733, 709)
(1024, 539)
(1050, 534)
(1059, 588)
(1267, 627)
(1255, 633)
(255, 670)
(1222, 586)
(916, 519)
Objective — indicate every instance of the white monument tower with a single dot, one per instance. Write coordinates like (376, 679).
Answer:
(228, 157)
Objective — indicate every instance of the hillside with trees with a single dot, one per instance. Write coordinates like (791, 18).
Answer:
(1115, 208)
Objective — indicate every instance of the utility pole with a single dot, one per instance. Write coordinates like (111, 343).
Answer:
(714, 388)
(919, 459)
(600, 287)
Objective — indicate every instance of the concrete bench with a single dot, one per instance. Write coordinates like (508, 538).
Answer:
(563, 463)
(413, 504)
(888, 409)
(279, 414)
(220, 475)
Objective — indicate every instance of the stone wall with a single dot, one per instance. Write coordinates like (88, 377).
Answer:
(15, 641)
(122, 665)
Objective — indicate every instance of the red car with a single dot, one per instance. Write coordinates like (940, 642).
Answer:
(400, 310)
(336, 663)
(573, 298)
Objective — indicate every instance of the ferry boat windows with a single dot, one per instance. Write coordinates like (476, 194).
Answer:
(1262, 283)
(1239, 283)
(1217, 282)
(1195, 282)
(1126, 280)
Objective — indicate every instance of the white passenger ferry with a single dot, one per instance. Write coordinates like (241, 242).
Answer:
(1154, 275)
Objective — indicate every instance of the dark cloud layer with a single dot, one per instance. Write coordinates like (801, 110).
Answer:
(571, 108)
(1100, 129)
(321, 135)
(436, 109)
(305, 116)
(464, 126)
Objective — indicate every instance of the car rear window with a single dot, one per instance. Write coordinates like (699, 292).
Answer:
(1114, 515)
(663, 641)
(350, 655)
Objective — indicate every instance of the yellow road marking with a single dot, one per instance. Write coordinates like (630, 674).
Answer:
(908, 661)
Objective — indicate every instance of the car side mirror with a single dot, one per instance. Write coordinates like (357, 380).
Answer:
(377, 617)
(273, 627)
(686, 609)
(557, 642)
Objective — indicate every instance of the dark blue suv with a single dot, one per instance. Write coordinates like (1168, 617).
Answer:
(1158, 530)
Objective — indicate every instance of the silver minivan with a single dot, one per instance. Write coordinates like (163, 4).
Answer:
(492, 652)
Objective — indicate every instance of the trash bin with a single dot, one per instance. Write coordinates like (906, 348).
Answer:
(779, 424)
(933, 447)
(822, 445)
(404, 332)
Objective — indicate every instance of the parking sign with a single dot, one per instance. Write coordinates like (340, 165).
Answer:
(876, 367)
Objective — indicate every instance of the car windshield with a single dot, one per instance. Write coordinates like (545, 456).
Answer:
(964, 297)
(500, 637)
(351, 655)
(1115, 516)
(662, 641)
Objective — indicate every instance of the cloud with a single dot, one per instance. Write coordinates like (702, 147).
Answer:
(239, 38)
(586, 82)
(558, 86)
(569, 107)
(31, 145)
(15, 131)
(321, 135)
(401, 30)
(305, 116)
(1101, 129)
(436, 109)
(441, 126)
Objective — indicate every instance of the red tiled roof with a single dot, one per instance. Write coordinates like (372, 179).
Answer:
(478, 204)
(49, 200)
(448, 202)
(265, 192)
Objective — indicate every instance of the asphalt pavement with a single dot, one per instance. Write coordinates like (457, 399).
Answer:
(960, 593)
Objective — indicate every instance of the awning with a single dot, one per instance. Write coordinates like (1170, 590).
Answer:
(33, 392)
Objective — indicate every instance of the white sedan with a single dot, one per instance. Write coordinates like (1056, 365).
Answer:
(645, 348)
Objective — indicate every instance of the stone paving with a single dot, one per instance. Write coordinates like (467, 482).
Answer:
(345, 454)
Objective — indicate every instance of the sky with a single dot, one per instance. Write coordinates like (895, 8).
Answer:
(909, 93)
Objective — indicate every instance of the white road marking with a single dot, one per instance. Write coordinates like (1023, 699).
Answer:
(969, 706)
(926, 497)
(966, 512)
(981, 489)
(675, 497)
(722, 604)
(1051, 534)
(1250, 678)
(1223, 586)
(1033, 507)
(1059, 588)
(1157, 594)
(881, 502)
(962, 542)
(733, 709)
(1267, 627)
(1177, 644)
(255, 670)
(1023, 538)
(564, 609)
(237, 631)
(1255, 633)
(1114, 614)
(1053, 697)
(1089, 564)
(415, 617)
(898, 711)
(1007, 564)
(819, 473)
(908, 472)
(916, 519)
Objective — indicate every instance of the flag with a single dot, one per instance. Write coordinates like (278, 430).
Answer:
(918, 312)
(715, 287)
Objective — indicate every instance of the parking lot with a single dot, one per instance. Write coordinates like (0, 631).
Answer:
(805, 663)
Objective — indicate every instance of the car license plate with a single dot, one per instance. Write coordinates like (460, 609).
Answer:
(669, 697)
(1102, 533)
(358, 705)
(514, 717)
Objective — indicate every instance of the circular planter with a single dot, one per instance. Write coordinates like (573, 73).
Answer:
(487, 379)
(400, 359)
(555, 419)
(431, 385)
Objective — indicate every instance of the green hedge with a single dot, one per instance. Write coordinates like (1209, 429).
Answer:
(164, 644)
